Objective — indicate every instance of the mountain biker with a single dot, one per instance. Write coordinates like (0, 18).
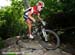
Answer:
(29, 18)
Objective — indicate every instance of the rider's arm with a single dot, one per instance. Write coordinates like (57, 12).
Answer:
(39, 17)
(30, 16)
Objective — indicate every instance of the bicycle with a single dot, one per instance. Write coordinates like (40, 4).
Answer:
(46, 37)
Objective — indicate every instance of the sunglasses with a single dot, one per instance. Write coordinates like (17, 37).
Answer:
(41, 7)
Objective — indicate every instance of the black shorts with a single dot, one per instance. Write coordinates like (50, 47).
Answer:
(26, 17)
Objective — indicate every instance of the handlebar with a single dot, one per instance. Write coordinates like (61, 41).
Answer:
(37, 23)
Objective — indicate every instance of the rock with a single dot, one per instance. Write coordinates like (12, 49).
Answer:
(29, 47)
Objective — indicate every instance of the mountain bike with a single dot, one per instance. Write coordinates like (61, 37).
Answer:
(46, 37)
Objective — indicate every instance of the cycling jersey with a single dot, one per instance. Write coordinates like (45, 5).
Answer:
(33, 10)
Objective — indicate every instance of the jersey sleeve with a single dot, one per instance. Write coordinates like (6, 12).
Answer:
(34, 10)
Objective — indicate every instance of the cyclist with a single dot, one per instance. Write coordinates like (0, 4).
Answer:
(29, 18)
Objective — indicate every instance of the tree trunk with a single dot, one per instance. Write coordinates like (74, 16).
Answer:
(26, 3)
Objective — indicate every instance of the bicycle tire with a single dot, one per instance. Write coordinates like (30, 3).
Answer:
(45, 44)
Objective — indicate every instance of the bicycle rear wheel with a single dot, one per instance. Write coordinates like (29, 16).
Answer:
(53, 40)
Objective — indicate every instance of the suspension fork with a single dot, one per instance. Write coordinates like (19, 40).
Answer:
(44, 34)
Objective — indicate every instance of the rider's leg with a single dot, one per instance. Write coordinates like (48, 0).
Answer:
(29, 23)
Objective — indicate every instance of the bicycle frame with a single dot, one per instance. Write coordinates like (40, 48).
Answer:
(42, 31)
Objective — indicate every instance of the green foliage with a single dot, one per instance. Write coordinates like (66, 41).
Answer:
(69, 6)
(52, 7)
(11, 19)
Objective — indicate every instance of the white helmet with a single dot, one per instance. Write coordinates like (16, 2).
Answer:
(40, 3)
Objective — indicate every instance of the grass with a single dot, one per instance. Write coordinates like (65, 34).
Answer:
(11, 53)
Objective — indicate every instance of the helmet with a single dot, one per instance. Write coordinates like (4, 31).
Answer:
(40, 3)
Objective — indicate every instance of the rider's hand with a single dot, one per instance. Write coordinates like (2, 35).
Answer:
(34, 20)
(43, 22)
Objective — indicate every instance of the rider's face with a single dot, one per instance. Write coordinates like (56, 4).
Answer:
(39, 8)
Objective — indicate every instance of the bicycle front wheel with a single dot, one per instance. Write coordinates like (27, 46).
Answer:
(53, 40)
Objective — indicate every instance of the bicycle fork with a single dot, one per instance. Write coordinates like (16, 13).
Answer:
(44, 34)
